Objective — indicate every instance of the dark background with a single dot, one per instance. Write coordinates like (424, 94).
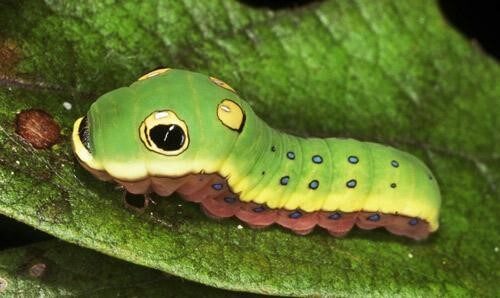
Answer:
(478, 21)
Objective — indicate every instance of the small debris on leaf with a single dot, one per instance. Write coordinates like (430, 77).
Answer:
(37, 270)
(10, 55)
(67, 105)
(38, 128)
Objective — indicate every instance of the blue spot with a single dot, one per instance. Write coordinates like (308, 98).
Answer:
(353, 159)
(395, 163)
(351, 183)
(217, 186)
(413, 221)
(335, 215)
(317, 159)
(229, 200)
(284, 180)
(373, 217)
(290, 155)
(393, 185)
(314, 184)
(295, 214)
(273, 148)
(259, 209)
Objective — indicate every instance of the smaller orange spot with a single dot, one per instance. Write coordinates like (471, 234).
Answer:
(153, 73)
(222, 84)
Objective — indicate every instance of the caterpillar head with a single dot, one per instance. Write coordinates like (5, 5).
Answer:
(168, 123)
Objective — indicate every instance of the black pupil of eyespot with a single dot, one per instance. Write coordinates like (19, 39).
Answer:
(167, 137)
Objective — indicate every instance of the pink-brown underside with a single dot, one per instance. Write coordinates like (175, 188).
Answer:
(198, 188)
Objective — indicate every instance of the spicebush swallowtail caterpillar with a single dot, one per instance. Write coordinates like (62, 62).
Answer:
(185, 132)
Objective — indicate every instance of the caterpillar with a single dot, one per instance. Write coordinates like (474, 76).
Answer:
(179, 131)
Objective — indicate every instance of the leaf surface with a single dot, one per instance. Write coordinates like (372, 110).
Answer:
(55, 268)
(390, 72)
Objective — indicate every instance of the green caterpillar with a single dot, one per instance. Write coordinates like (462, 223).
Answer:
(185, 132)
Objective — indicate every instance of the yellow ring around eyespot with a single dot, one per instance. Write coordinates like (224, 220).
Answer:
(230, 114)
(83, 154)
(153, 73)
(165, 117)
(221, 84)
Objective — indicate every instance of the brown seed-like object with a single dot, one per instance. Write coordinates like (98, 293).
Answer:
(37, 270)
(38, 128)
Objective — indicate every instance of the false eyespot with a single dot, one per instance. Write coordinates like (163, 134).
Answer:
(164, 133)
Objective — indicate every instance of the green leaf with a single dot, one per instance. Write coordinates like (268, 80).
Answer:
(385, 71)
(55, 269)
